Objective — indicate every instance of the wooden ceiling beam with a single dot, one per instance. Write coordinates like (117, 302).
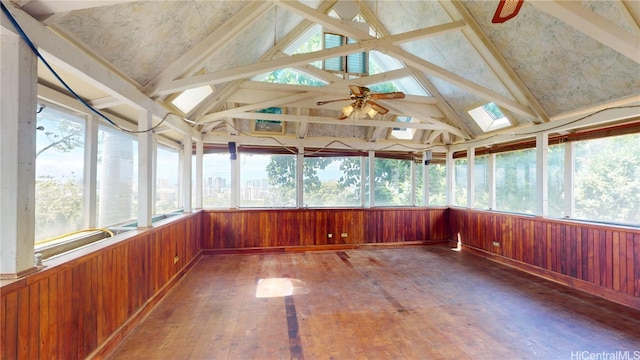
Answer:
(597, 27)
(193, 59)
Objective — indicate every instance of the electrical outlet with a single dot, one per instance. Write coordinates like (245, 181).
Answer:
(329, 236)
(344, 235)
(175, 259)
(496, 244)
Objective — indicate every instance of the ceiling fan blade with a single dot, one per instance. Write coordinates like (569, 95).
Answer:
(391, 95)
(358, 90)
(379, 108)
(330, 101)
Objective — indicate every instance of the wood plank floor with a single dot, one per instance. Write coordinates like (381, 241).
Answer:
(404, 303)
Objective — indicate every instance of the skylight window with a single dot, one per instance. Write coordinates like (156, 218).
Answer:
(191, 97)
(403, 132)
(489, 117)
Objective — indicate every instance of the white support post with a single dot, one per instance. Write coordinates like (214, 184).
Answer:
(425, 178)
(363, 177)
(300, 177)
(451, 178)
(372, 178)
(90, 188)
(542, 180)
(492, 181)
(146, 183)
(471, 178)
(569, 178)
(199, 174)
(17, 155)
(187, 155)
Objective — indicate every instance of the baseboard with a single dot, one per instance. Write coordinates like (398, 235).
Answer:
(105, 349)
(574, 283)
(306, 248)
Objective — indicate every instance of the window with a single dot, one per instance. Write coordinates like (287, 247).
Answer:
(516, 181)
(216, 170)
(167, 187)
(351, 64)
(392, 182)
(190, 98)
(332, 181)
(117, 174)
(437, 184)
(403, 132)
(59, 173)
(460, 187)
(489, 117)
(269, 125)
(481, 178)
(607, 179)
(555, 180)
(267, 180)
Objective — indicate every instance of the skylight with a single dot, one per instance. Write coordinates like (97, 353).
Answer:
(403, 133)
(191, 97)
(489, 117)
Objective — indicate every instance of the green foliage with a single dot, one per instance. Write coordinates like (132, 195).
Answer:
(63, 135)
(59, 206)
(608, 179)
(515, 181)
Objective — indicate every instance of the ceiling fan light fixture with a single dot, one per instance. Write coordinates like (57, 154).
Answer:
(371, 112)
(347, 110)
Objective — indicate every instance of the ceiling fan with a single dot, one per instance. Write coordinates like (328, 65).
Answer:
(363, 102)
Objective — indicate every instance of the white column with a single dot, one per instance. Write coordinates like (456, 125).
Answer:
(363, 177)
(425, 179)
(542, 180)
(569, 177)
(372, 178)
(187, 151)
(471, 178)
(18, 104)
(451, 178)
(492, 181)
(146, 181)
(199, 175)
(300, 178)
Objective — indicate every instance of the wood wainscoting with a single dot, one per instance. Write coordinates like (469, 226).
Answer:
(83, 303)
(599, 259)
(321, 228)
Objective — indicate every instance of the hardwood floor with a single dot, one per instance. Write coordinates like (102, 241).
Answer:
(403, 303)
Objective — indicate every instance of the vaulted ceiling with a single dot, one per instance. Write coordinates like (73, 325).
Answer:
(557, 66)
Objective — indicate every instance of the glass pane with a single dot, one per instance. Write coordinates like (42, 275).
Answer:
(481, 178)
(117, 177)
(607, 179)
(392, 182)
(516, 181)
(437, 184)
(460, 187)
(333, 181)
(59, 173)
(267, 180)
(419, 184)
(216, 170)
(555, 180)
(356, 62)
(167, 186)
(331, 41)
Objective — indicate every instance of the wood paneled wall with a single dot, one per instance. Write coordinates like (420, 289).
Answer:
(236, 229)
(602, 260)
(76, 304)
